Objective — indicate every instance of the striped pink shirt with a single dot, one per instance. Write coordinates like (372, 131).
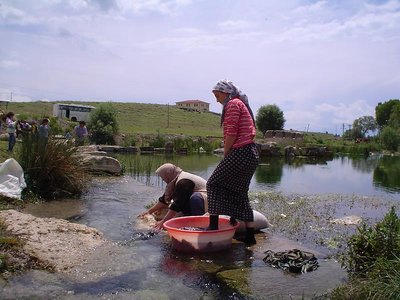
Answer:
(238, 123)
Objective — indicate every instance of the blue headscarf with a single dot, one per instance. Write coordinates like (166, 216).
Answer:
(233, 91)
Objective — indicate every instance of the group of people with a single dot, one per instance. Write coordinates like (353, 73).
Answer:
(15, 127)
(226, 191)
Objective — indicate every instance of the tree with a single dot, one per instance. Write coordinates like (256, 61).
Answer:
(364, 124)
(390, 138)
(394, 120)
(270, 117)
(384, 110)
(103, 124)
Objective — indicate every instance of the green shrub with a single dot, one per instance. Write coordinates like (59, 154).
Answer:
(51, 168)
(370, 244)
(390, 138)
(129, 141)
(55, 126)
(382, 283)
(103, 124)
(158, 142)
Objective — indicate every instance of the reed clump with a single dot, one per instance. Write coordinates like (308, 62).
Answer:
(51, 167)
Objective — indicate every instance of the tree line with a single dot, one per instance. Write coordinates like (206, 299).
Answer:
(386, 121)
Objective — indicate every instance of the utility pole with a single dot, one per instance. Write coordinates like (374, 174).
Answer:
(168, 115)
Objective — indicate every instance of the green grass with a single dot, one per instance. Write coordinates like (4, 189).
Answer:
(139, 122)
(141, 118)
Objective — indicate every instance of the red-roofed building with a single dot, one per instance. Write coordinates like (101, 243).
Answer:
(194, 105)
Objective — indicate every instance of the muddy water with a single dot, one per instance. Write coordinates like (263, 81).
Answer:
(143, 266)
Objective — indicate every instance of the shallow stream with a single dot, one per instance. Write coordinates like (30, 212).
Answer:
(139, 265)
(142, 266)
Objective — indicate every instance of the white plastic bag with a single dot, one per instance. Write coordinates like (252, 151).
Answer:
(260, 222)
(12, 180)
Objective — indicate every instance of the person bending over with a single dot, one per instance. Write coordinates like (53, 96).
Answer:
(184, 193)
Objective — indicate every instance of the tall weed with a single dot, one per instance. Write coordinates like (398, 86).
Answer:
(370, 244)
(52, 170)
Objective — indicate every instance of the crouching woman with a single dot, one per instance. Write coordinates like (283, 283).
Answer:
(185, 193)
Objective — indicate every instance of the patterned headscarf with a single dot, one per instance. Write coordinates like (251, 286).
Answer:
(169, 174)
(228, 87)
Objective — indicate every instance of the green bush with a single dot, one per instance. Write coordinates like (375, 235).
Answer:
(382, 283)
(158, 142)
(370, 244)
(374, 262)
(103, 124)
(55, 127)
(390, 138)
(129, 141)
(51, 168)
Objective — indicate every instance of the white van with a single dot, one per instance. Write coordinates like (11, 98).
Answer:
(74, 112)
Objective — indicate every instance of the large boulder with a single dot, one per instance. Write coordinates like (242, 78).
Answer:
(59, 244)
(101, 164)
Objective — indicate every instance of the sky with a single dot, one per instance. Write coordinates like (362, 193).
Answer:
(323, 63)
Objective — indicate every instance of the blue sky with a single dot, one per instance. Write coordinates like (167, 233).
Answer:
(324, 63)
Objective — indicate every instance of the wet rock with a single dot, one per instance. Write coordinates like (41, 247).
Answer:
(237, 280)
(57, 243)
(102, 164)
(348, 220)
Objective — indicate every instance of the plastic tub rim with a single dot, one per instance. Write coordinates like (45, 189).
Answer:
(169, 228)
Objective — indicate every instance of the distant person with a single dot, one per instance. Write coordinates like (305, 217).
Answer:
(80, 132)
(11, 124)
(228, 185)
(43, 130)
(184, 193)
(25, 127)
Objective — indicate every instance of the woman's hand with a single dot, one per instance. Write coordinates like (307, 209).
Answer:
(159, 225)
(141, 216)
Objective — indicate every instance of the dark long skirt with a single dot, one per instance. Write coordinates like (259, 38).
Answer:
(228, 186)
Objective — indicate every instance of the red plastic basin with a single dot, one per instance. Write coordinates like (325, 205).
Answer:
(191, 241)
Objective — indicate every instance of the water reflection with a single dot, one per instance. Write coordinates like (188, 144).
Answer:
(270, 171)
(372, 176)
(387, 174)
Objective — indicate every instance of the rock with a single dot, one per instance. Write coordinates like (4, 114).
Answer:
(102, 164)
(348, 220)
(57, 243)
(85, 149)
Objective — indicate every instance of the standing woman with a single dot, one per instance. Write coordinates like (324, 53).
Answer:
(228, 186)
(11, 124)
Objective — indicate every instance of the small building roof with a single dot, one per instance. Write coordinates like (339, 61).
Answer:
(192, 102)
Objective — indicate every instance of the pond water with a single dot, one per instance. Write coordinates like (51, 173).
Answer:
(376, 175)
(146, 266)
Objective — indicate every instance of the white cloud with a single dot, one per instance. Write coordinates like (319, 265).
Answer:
(323, 62)
(15, 16)
(9, 64)
(342, 113)
(236, 25)
(167, 7)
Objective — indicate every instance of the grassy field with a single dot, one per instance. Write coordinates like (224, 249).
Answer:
(139, 117)
(155, 119)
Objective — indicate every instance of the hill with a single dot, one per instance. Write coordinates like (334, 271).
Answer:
(138, 117)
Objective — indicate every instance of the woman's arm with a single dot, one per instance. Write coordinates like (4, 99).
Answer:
(156, 207)
(170, 214)
(228, 143)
